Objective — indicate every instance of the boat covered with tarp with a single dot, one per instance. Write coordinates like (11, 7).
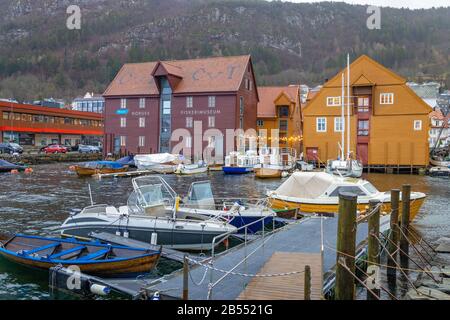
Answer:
(158, 162)
(127, 161)
(318, 192)
(99, 167)
(90, 257)
(6, 166)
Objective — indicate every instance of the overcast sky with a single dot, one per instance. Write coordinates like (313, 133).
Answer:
(412, 4)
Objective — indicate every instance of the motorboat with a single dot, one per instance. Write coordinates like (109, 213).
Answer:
(6, 166)
(318, 192)
(348, 168)
(158, 162)
(439, 171)
(239, 213)
(275, 162)
(190, 169)
(151, 215)
(240, 163)
(99, 167)
(92, 257)
(127, 161)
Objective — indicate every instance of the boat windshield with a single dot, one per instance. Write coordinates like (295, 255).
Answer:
(351, 189)
(153, 190)
(201, 196)
(370, 188)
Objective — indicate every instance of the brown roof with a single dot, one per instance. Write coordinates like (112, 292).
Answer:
(268, 95)
(219, 74)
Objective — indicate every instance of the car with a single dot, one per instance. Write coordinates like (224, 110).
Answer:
(55, 148)
(10, 148)
(88, 149)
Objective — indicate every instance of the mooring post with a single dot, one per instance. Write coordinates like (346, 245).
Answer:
(404, 246)
(373, 249)
(185, 278)
(346, 238)
(394, 235)
(307, 289)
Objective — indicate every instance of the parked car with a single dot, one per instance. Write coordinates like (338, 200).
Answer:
(55, 148)
(10, 148)
(88, 149)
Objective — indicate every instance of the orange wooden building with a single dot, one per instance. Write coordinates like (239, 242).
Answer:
(279, 109)
(389, 123)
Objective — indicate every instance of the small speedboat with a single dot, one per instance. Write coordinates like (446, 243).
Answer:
(268, 173)
(318, 192)
(158, 162)
(349, 168)
(238, 163)
(439, 171)
(102, 167)
(189, 169)
(91, 257)
(6, 166)
(236, 170)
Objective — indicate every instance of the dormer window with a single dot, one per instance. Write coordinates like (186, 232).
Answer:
(386, 98)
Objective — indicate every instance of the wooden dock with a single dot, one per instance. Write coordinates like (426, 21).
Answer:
(289, 287)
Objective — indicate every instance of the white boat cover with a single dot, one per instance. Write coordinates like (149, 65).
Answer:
(157, 158)
(306, 185)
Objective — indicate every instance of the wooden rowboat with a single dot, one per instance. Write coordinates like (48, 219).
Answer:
(102, 167)
(92, 258)
(267, 173)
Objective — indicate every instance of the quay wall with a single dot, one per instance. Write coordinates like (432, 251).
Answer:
(51, 158)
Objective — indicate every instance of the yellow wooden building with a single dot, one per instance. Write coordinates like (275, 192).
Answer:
(389, 123)
(279, 109)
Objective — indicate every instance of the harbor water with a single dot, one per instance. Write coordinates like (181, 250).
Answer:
(35, 203)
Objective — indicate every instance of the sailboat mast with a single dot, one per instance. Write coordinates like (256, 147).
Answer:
(343, 118)
(348, 105)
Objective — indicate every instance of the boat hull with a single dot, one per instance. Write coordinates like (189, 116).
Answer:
(240, 221)
(86, 172)
(310, 208)
(267, 173)
(440, 163)
(237, 170)
(186, 172)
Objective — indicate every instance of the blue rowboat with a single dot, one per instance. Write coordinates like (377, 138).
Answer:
(237, 170)
(92, 258)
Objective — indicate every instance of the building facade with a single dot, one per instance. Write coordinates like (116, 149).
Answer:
(153, 107)
(439, 130)
(89, 103)
(30, 125)
(279, 114)
(389, 123)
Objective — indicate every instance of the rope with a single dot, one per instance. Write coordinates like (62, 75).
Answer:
(359, 280)
(384, 289)
(201, 281)
(246, 274)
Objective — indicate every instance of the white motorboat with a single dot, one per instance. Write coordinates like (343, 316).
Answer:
(350, 168)
(151, 215)
(189, 169)
(159, 162)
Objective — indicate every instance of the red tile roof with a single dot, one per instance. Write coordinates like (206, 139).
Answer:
(219, 74)
(268, 95)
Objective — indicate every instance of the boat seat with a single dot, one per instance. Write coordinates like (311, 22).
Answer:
(95, 255)
(39, 249)
(111, 210)
(73, 251)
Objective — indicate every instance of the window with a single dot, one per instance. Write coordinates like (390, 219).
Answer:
(123, 141)
(386, 98)
(417, 125)
(333, 101)
(211, 141)
(189, 142)
(283, 125)
(141, 122)
(250, 85)
(260, 123)
(123, 122)
(189, 122)
(5, 115)
(321, 124)
(189, 102)
(212, 101)
(363, 127)
(142, 103)
(211, 122)
(123, 103)
(283, 111)
(356, 190)
(141, 141)
(363, 104)
(241, 106)
(338, 124)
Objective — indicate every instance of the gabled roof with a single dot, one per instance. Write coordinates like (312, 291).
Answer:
(268, 96)
(362, 81)
(218, 74)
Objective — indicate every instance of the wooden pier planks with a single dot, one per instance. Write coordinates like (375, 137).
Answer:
(289, 287)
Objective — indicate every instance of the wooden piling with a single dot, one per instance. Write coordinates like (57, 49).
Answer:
(373, 249)
(307, 283)
(406, 208)
(346, 239)
(185, 278)
(395, 233)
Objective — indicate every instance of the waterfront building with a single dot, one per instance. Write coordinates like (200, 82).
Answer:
(50, 103)
(389, 123)
(90, 102)
(279, 108)
(147, 102)
(31, 125)
(439, 130)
